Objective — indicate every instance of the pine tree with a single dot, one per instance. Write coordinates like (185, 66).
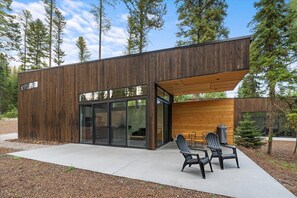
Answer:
(83, 53)
(102, 20)
(10, 36)
(50, 6)
(271, 49)
(132, 37)
(37, 43)
(59, 24)
(249, 87)
(200, 21)
(145, 15)
(247, 134)
(3, 82)
(25, 18)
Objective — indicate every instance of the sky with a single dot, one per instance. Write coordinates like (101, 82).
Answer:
(80, 22)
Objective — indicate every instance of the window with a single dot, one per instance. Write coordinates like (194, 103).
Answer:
(86, 97)
(30, 85)
(163, 94)
(114, 93)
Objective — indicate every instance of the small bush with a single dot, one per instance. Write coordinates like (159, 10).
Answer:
(12, 113)
(247, 134)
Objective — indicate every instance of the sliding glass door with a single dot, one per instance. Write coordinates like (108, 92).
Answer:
(86, 124)
(101, 124)
(118, 124)
(162, 122)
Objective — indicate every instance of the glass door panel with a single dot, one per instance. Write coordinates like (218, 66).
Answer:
(160, 117)
(86, 123)
(162, 122)
(118, 124)
(166, 123)
(101, 124)
(136, 119)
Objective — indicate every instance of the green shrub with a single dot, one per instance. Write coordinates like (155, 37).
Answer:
(247, 134)
(12, 113)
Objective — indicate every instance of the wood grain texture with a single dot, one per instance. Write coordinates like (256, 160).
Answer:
(50, 112)
(203, 117)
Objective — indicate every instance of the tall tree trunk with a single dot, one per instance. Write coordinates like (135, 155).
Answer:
(50, 33)
(100, 28)
(270, 117)
(295, 143)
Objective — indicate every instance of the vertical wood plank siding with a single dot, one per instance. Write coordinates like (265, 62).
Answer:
(50, 112)
(205, 116)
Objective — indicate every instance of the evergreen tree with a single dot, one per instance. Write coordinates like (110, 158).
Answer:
(50, 7)
(83, 53)
(247, 134)
(59, 24)
(132, 37)
(3, 82)
(271, 49)
(37, 43)
(10, 37)
(102, 20)
(200, 21)
(25, 18)
(145, 15)
(249, 87)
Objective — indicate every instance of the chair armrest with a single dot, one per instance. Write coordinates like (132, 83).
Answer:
(201, 149)
(230, 146)
(188, 153)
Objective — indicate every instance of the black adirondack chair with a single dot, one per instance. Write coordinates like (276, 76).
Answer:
(214, 145)
(189, 160)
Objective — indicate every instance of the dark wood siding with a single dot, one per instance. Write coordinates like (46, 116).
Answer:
(248, 105)
(50, 112)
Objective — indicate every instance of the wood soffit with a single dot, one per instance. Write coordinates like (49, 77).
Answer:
(204, 84)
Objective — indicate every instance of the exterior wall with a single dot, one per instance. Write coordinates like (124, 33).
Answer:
(203, 117)
(248, 105)
(50, 112)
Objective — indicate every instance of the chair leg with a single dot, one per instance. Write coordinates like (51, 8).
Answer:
(210, 166)
(221, 163)
(237, 162)
(202, 170)
(184, 165)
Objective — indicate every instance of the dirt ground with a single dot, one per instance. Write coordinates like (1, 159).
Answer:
(28, 178)
(282, 164)
(8, 126)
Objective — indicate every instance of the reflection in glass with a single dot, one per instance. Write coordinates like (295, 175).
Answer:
(163, 94)
(86, 97)
(101, 124)
(159, 123)
(162, 122)
(136, 122)
(100, 95)
(118, 124)
(86, 123)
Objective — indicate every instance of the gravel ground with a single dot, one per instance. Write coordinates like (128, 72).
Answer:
(28, 178)
(8, 126)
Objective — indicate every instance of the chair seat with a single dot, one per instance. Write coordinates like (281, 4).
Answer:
(204, 160)
(228, 156)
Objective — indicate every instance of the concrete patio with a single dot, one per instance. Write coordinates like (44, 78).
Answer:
(163, 166)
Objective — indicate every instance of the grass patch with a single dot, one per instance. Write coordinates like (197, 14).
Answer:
(69, 169)
(16, 157)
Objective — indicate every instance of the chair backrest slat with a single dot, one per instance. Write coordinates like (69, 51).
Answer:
(182, 145)
(212, 140)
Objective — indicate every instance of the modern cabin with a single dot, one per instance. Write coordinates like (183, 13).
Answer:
(127, 101)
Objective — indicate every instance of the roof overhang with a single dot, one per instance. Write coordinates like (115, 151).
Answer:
(225, 81)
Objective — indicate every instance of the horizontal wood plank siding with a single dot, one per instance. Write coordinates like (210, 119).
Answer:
(203, 117)
(50, 112)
